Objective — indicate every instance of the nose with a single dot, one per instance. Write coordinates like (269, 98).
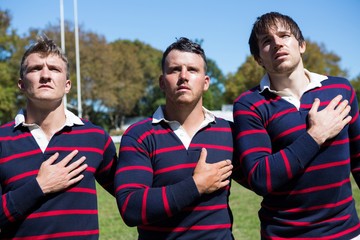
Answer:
(183, 73)
(45, 74)
(278, 42)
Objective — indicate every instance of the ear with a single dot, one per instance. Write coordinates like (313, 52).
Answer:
(161, 83)
(259, 61)
(206, 83)
(67, 86)
(302, 47)
(21, 85)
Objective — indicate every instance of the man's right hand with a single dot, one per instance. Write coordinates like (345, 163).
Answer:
(327, 123)
(210, 177)
(56, 177)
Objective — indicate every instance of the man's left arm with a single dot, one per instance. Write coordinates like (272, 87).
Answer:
(106, 172)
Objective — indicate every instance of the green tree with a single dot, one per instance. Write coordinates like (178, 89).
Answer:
(247, 76)
(10, 43)
(318, 59)
(213, 99)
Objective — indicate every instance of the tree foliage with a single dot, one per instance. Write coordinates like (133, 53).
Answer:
(120, 79)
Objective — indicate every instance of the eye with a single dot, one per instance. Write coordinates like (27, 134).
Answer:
(55, 69)
(192, 69)
(33, 68)
(174, 69)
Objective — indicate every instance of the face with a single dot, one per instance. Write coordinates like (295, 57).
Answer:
(184, 80)
(44, 78)
(279, 50)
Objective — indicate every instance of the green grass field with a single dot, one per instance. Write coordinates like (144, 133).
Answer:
(244, 205)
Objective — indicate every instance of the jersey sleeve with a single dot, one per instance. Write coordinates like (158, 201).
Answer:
(354, 136)
(16, 204)
(266, 171)
(106, 172)
(139, 202)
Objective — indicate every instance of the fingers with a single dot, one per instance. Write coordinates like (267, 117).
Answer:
(203, 155)
(77, 167)
(226, 170)
(314, 108)
(52, 159)
(75, 180)
(334, 102)
(68, 158)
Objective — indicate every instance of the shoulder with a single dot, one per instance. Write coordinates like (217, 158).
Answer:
(139, 127)
(220, 122)
(250, 95)
(336, 80)
(7, 128)
(88, 126)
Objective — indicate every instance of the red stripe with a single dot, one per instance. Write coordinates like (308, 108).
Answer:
(143, 210)
(152, 131)
(184, 229)
(242, 112)
(287, 164)
(57, 235)
(13, 138)
(134, 168)
(166, 202)
(85, 131)
(168, 149)
(268, 175)
(63, 212)
(107, 167)
(276, 115)
(85, 149)
(248, 132)
(20, 155)
(314, 189)
(291, 130)
(82, 190)
(6, 210)
(20, 176)
(218, 129)
(323, 206)
(174, 168)
(328, 165)
(136, 124)
(252, 150)
(207, 208)
(211, 146)
(130, 185)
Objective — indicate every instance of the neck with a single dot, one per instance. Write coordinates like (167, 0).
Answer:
(294, 83)
(190, 117)
(50, 120)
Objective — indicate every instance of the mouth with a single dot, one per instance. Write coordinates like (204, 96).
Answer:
(45, 86)
(280, 55)
(183, 88)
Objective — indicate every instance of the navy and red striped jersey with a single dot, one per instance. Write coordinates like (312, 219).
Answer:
(72, 214)
(155, 190)
(306, 189)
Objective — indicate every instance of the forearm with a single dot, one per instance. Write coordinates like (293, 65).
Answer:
(146, 205)
(17, 204)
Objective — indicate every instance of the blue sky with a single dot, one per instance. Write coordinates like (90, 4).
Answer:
(224, 25)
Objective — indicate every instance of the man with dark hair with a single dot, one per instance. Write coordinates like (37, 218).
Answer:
(297, 135)
(172, 180)
(48, 190)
